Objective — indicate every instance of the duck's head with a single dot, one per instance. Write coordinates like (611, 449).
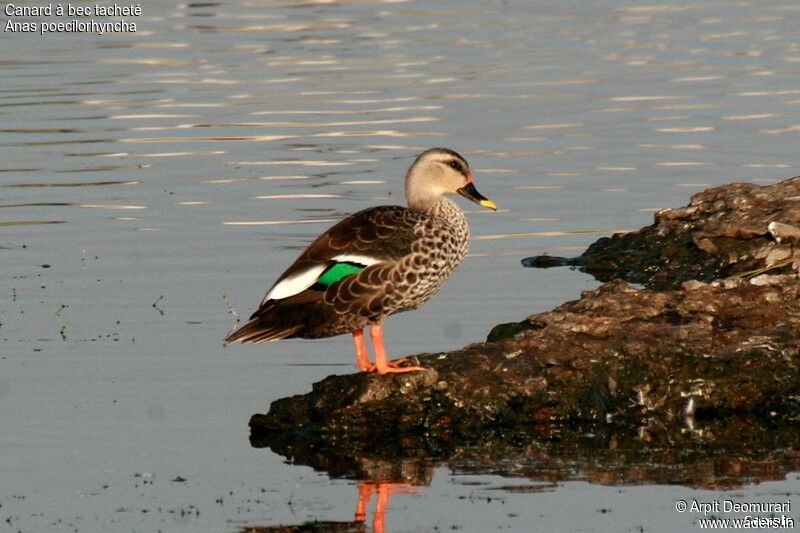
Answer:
(437, 172)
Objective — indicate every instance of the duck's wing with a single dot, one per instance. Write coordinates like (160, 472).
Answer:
(369, 241)
(375, 235)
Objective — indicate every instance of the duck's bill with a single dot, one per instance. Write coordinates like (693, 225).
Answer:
(469, 192)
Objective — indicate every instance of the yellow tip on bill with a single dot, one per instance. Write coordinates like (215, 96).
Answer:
(489, 204)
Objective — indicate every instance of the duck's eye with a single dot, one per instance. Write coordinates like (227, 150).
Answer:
(456, 166)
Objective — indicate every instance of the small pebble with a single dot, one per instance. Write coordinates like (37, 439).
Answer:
(693, 285)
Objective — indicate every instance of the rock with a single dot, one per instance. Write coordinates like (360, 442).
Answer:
(770, 279)
(732, 230)
(509, 329)
(784, 232)
(728, 350)
(777, 255)
(693, 285)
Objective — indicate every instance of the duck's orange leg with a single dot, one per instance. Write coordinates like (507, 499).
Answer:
(364, 492)
(384, 491)
(379, 518)
(382, 363)
(362, 359)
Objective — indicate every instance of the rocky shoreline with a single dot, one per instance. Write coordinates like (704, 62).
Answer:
(737, 230)
(713, 335)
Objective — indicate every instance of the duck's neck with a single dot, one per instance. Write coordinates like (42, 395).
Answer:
(448, 211)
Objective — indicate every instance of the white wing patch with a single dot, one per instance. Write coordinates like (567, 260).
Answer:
(295, 284)
(302, 280)
(365, 260)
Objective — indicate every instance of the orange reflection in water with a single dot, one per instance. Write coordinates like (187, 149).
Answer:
(383, 491)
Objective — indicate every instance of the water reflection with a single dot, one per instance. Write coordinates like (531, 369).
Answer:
(703, 454)
(379, 476)
(71, 184)
(382, 490)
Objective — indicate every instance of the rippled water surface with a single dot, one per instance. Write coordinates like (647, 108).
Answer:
(153, 184)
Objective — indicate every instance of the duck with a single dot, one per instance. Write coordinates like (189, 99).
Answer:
(373, 264)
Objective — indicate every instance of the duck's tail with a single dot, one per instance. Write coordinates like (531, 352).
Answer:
(258, 330)
(277, 319)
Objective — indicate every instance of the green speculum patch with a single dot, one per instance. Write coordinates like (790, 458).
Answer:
(337, 272)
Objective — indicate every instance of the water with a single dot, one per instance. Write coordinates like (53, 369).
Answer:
(154, 183)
